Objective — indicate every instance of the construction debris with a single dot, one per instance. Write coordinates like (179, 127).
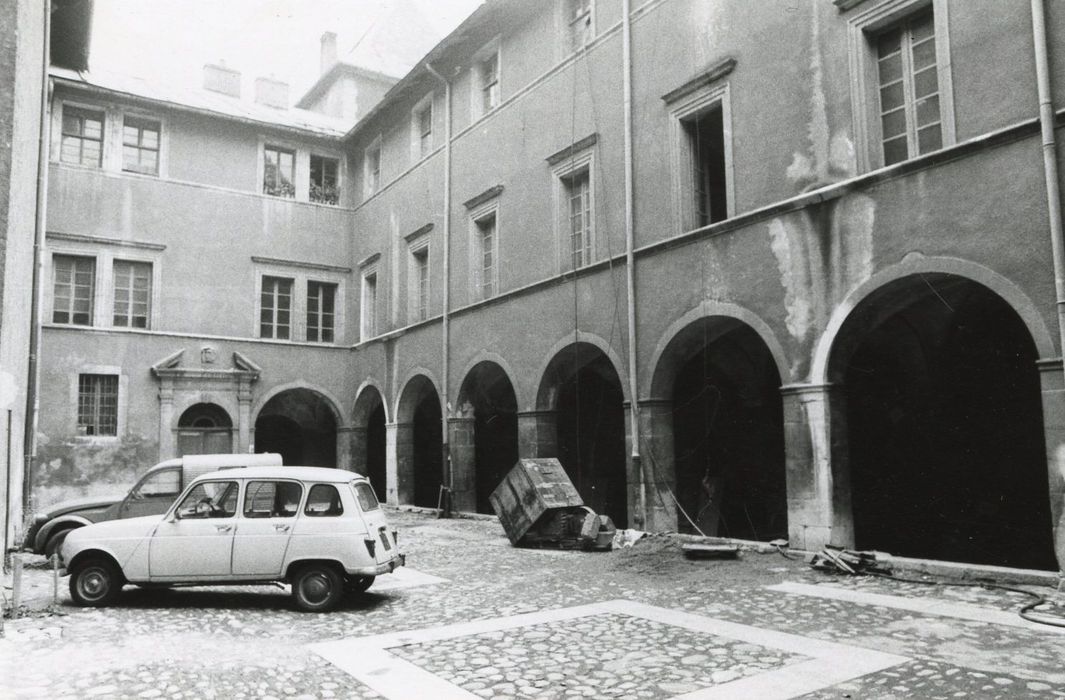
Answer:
(846, 561)
(710, 551)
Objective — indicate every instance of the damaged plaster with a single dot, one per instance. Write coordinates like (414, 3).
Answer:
(80, 467)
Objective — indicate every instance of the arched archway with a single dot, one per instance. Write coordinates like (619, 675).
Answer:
(487, 402)
(301, 425)
(368, 441)
(945, 444)
(722, 386)
(582, 386)
(204, 428)
(419, 443)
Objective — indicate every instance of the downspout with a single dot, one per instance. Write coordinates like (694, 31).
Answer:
(29, 442)
(630, 272)
(445, 332)
(1050, 170)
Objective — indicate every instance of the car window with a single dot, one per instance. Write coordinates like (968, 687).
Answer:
(166, 482)
(367, 498)
(210, 499)
(272, 499)
(323, 501)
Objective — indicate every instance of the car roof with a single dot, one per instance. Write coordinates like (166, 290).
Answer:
(338, 476)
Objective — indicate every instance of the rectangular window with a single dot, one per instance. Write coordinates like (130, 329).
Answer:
(579, 216)
(419, 283)
(83, 137)
(424, 120)
(908, 78)
(97, 404)
(140, 146)
(579, 18)
(324, 180)
(489, 70)
(321, 312)
(279, 172)
(705, 135)
(368, 305)
(133, 292)
(275, 308)
(486, 240)
(73, 289)
(373, 169)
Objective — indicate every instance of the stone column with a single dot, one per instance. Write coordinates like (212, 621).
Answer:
(1052, 382)
(244, 427)
(656, 467)
(344, 449)
(537, 434)
(399, 463)
(166, 419)
(460, 430)
(359, 450)
(818, 473)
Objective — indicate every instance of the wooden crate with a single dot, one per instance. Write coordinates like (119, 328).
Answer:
(530, 489)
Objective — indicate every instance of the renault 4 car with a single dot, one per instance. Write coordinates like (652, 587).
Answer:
(320, 530)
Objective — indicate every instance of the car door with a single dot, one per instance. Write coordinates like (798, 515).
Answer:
(376, 522)
(196, 542)
(265, 526)
(153, 495)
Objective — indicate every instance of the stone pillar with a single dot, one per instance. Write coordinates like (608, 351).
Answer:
(166, 419)
(818, 472)
(399, 463)
(1052, 382)
(344, 449)
(537, 434)
(359, 450)
(654, 479)
(244, 427)
(460, 430)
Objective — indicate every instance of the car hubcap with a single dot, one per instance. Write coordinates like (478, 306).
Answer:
(315, 588)
(93, 584)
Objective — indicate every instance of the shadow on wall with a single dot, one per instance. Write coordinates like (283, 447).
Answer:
(83, 467)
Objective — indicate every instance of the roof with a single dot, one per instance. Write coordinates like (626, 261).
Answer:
(336, 476)
(205, 102)
(335, 73)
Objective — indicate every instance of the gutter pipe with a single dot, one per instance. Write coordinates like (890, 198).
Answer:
(630, 261)
(449, 475)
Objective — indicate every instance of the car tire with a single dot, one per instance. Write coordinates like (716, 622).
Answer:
(95, 583)
(358, 584)
(317, 588)
(55, 541)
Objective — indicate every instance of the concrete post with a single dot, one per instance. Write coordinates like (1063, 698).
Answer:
(359, 450)
(537, 434)
(1052, 381)
(656, 450)
(399, 463)
(166, 419)
(463, 463)
(344, 449)
(818, 473)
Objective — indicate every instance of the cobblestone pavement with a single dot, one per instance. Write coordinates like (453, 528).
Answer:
(248, 642)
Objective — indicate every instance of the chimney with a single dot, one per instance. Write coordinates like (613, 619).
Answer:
(219, 78)
(271, 92)
(329, 51)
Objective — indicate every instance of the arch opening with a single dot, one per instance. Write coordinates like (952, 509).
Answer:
(368, 451)
(420, 457)
(204, 428)
(300, 425)
(489, 392)
(944, 425)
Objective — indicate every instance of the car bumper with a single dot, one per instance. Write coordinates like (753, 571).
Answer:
(384, 568)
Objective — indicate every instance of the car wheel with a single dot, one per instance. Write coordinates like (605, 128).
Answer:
(55, 541)
(95, 583)
(358, 584)
(317, 588)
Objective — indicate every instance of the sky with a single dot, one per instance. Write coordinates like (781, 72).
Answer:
(169, 41)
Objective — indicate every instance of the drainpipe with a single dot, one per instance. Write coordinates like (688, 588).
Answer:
(1050, 169)
(449, 476)
(630, 272)
(29, 442)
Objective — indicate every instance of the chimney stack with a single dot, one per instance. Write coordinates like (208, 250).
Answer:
(329, 51)
(271, 92)
(219, 78)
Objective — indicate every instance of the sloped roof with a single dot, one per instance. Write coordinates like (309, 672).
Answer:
(204, 101)
(396, 40)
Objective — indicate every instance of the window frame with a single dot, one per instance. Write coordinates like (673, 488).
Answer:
(273, 146)
(113, 136)
(418, 148)
(419, 279)
(291, 326)
(478, 107)
(103, 140)
(569, 18)
(115, 260)
(96, 396)
(371, 177)
(73, 393)
(144, 120)
(863, 28)
(320, 326)
(708, 98)
(478, 284)
(368, 317)
(563, 174)
(94, 288)
(311, 184)
(104, 253)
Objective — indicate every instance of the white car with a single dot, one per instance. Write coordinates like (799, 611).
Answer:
(321, 530)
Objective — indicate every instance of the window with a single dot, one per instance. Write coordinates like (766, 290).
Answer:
(82, 137)
(166, 482)
(908, 82)
(368, 306)
(372, 165)
(321, 311)
(424, 120)
(419, 282)
(323, 501)
(140, 146)
(486, 239)
(133, 291)
(97, 404)
(579, 19)
(272, 499)
(323, 188)
(73, 284)
(488, 70)
(279, 172)
(578, 203)
(275, 308)
(210, 499)
(367, 498)
(705, 136)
